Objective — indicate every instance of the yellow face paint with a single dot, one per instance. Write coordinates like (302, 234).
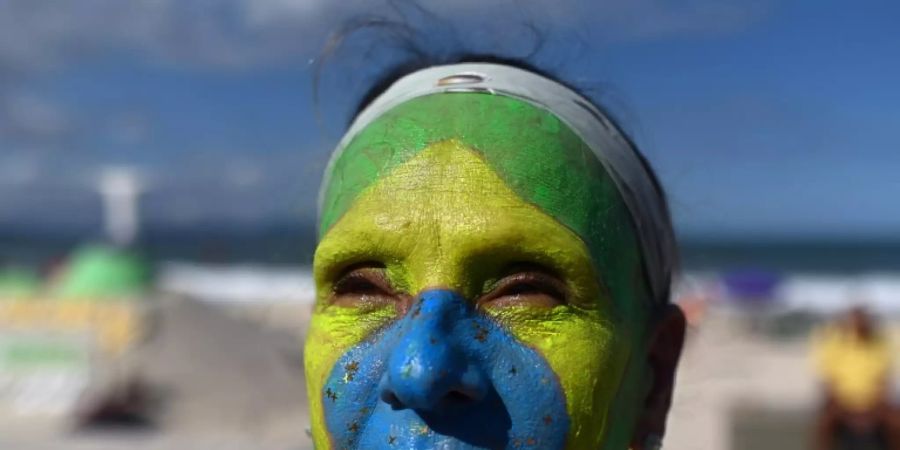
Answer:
(445, 219)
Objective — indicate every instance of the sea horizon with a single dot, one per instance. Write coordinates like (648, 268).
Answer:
(293, 243)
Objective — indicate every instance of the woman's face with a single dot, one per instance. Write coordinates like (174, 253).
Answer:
(453, 311)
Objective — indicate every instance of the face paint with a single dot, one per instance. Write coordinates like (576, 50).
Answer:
(444, 376)
(446, 221)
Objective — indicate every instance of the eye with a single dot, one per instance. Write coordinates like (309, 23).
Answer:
(529, 286)
(363, 285)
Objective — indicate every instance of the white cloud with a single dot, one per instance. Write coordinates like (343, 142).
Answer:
(18, 170)
(27, 116)
(44, 33)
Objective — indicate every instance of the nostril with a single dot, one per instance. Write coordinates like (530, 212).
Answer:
(387, 394)
(458, 397)
(391, 399)
(470, 392)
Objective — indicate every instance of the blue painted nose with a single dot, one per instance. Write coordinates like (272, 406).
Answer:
(428, 370)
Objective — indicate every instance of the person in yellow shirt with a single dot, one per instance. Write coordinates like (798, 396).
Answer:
(854, 362)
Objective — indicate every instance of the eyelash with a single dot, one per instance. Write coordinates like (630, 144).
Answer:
(528, 287)
(364, 285)
(363, 280)
(532, 280)
(356, 282)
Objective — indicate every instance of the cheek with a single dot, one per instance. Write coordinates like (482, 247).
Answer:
(333, 332)
(585, 352)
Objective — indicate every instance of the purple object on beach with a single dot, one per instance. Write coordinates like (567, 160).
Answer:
(751, 285)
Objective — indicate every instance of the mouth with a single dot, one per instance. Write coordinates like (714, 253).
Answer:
(444, 430)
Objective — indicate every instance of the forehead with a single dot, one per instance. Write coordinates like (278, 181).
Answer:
(537, 155)
(450, 220)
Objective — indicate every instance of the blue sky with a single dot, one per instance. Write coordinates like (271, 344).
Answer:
(763, 119)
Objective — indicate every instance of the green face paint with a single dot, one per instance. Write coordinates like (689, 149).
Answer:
(446, 191)
(537, 155)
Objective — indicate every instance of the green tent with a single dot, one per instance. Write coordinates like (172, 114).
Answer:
(102, 272)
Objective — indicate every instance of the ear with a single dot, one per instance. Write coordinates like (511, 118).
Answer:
(666, 341)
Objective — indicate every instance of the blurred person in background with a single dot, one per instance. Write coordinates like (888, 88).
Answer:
(854, 360)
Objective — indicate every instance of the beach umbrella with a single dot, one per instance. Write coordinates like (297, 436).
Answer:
(751, 286)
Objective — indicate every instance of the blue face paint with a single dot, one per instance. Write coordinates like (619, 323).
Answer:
(444, 376)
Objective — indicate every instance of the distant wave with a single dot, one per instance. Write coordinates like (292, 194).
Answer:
(237, 283)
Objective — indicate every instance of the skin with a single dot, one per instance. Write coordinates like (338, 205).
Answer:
(495, 208)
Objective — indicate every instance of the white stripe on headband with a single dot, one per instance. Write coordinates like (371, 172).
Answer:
(645, 203)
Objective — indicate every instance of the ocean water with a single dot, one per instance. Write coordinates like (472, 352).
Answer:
(293, 245)
(820, 256)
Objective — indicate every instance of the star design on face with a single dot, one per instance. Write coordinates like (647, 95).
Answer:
(480, 333)
(351, 369)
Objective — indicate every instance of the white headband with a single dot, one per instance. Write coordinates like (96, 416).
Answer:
(615, 153)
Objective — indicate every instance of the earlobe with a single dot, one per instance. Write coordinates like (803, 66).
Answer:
(663, 352)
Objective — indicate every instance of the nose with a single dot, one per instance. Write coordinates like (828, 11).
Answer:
(428, 370)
